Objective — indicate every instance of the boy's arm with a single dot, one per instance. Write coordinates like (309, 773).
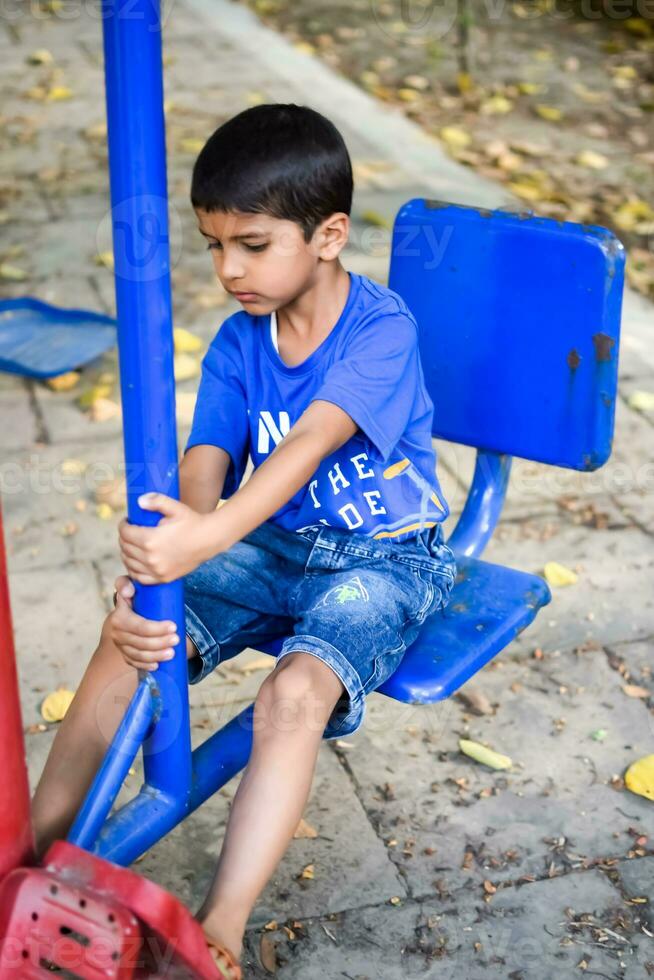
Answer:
(186, 538)
(321, 429)
(202, 474)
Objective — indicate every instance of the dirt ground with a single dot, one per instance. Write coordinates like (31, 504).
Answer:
(556, 104)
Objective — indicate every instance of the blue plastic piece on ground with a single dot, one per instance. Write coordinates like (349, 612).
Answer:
(40, 340)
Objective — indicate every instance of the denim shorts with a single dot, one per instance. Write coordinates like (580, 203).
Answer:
(354, 602)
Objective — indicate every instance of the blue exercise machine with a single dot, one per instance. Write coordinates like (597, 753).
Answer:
(519, 320)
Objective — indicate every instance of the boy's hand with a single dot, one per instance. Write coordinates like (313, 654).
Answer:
(143, 643)
(176, 546)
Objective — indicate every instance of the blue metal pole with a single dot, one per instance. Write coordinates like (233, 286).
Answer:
(139, 824)
(139, 209)
(483, 506)
(131, 733)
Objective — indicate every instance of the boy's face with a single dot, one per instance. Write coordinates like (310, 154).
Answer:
(264, 261)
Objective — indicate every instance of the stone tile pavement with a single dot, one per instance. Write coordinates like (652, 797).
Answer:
(426, 865)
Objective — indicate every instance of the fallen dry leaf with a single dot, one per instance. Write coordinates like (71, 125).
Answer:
(268, 954)
(305, 831)
(63, 382)
(639, 777)
(559, 575)
(635, 691)
(480, 753)
(104, 409)
(112, 492)
(642, 401)
(186, 342)
(56, 704)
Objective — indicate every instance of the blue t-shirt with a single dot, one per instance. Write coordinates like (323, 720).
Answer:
(382, 482)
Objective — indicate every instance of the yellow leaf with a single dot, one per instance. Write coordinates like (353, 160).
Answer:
(112, 492)
(592, 160)
(63, 382)
(639, 777)
(40, 57)
(56, 704)
(496, 105)
(587, 94)
(640, 26)
(12, 272)
(627, 72)
(549, 112)
(642, 401)
(376, 219)
(395, 900)
(58, 93)
(530, 88)
(418, 82)
(631, 213)
(186, 342)
(73, 467)
(191, 144)
(636, 691)
(407, 94)
(525, 190)
(96, 132)
(91, 395)
(308, 872)
(104, 409)
(464, 82)
(185, 367)
(558, 575)
(484, 755)
(455, 137)
(305, 831)
(106, 259)
(104, 512)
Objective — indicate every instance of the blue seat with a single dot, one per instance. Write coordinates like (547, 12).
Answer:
(519, 321)
(488, 607)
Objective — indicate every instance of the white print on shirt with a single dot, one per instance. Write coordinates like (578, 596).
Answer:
(268, 427)
(338, 482)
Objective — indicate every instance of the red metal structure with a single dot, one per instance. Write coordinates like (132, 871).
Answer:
(78, 915)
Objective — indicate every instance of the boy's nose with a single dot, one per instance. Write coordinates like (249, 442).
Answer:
(232, 269)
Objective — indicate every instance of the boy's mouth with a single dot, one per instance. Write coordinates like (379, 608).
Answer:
(245, 297)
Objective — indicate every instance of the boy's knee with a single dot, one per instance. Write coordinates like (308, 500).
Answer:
(301, 689)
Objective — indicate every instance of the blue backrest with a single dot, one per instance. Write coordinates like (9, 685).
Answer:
(519, 327)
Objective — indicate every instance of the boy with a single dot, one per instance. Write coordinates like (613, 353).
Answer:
(335, 541)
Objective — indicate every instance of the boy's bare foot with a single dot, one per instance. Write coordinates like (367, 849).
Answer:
(223, 958)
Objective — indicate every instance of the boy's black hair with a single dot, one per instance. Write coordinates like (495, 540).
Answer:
(284, 160)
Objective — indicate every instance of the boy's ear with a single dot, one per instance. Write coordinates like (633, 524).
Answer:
(331, 235)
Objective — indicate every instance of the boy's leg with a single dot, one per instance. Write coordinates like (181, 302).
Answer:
(291, 711)
(82, 739)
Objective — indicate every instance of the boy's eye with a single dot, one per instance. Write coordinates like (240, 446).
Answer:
(255, 248)
(214, 245)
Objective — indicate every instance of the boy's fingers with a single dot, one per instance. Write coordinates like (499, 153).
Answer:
(130, 622)
(144, 656)
(125, 586)
(156, 643)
